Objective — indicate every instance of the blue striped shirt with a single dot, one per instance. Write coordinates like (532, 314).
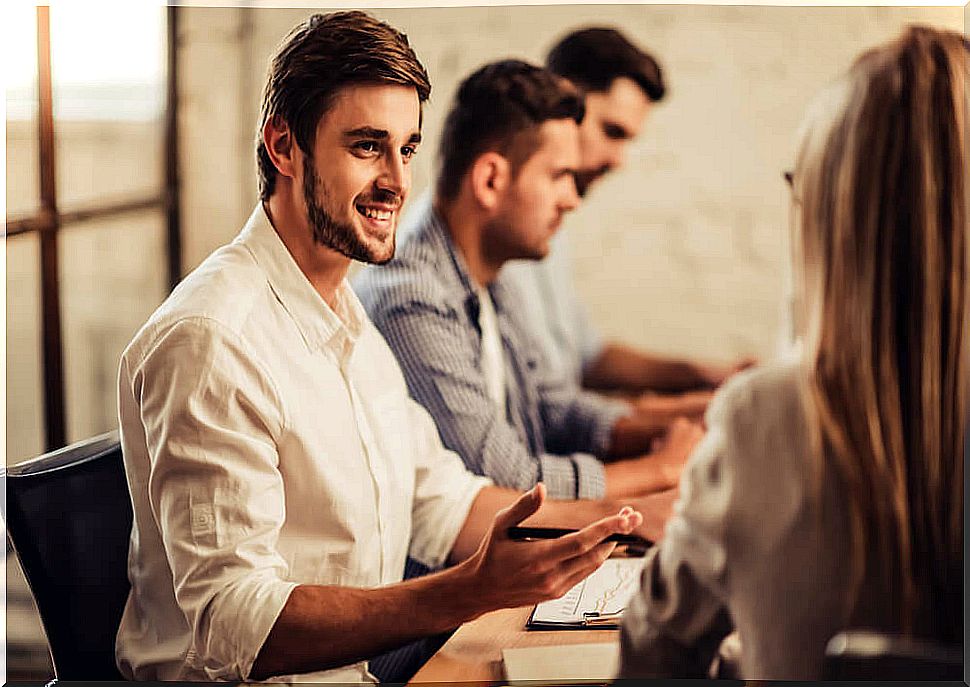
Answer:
(425, 305)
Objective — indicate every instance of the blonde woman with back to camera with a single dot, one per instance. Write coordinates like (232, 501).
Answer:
(828, 491)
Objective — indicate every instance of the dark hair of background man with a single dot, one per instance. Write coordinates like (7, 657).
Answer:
(317, 59)
(499, 108)
(593, 58)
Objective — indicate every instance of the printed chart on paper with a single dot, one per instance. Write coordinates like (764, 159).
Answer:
(605, 593)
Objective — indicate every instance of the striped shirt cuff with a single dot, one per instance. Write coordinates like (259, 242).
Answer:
(591, 476)
(579, 476)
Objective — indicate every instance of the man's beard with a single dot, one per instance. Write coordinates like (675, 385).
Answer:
(585, 178)
(329, 232)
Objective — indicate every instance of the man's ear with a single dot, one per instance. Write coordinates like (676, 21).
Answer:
(281, 146)
(490, 177)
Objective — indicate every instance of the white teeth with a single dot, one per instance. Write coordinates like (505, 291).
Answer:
(371, 213)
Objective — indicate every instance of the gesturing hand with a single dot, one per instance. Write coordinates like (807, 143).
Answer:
(507, 573)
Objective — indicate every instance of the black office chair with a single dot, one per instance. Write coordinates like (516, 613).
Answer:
(863, 655)
(68, 516)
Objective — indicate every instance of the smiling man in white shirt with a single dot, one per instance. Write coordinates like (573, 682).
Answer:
(279, 472)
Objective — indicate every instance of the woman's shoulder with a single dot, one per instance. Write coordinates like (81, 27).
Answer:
(768, 395)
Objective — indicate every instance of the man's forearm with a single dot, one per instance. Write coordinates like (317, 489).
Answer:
(623, 368)
(635, 477)
(324, 627)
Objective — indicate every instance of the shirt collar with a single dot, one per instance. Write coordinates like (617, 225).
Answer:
(320, 325)
(439, 236)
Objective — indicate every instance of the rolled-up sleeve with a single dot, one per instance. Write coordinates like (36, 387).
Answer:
(577, 475)
(211, 416)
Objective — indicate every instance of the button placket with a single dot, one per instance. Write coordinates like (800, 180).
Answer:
(374, 467)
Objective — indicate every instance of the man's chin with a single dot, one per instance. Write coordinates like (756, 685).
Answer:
(379, 253)
(382, 259)
(369, 253)
(536, 253)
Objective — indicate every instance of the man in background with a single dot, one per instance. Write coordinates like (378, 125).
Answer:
(621, 83)
(507, 162)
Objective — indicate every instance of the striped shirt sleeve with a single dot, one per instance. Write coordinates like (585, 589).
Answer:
(438, 354)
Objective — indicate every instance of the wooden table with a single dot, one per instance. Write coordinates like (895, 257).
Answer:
(473, 655)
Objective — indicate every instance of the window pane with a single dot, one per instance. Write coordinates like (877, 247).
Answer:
(25, 404)
(113, 275)
(20, 68)
(109, 96)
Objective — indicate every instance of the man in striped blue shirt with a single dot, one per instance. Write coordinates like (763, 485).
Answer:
(508, 159)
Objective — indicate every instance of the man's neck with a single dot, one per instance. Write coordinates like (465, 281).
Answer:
(323, 267)
(466, 226)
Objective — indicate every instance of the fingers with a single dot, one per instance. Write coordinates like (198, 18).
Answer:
(581, 567)
(656, 509)
(662, 409)
(684, 431)
(524, 506)
(574, 570)
(681, 440)
(745, 363)
(691, 403)
(558, 579)
(581, 542)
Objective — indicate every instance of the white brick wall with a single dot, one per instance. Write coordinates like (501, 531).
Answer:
(685, 250)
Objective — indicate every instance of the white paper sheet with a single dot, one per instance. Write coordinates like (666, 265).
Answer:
(603, 595)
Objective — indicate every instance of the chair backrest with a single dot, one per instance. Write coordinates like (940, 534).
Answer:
(860, 655)
(68, 516)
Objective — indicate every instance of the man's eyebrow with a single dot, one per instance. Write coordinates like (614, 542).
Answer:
(366, 132)
(378, 134)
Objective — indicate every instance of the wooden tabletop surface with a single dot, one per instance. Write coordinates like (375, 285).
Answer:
(473, 655)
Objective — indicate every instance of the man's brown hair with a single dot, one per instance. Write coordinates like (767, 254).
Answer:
(319, 57)
(593, 58)
(495, 109)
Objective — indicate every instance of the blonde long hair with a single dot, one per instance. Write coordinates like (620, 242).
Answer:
(882, 184)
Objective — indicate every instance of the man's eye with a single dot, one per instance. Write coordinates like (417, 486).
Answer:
(615, 133)
(407, 152)
(366, 146)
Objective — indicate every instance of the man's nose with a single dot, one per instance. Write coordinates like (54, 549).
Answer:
(570, 199)
(617, 156)
(395, 177)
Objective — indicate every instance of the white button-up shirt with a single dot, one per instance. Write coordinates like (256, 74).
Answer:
(269, 441)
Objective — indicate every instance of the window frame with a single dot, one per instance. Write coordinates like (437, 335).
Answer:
(47, 221)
